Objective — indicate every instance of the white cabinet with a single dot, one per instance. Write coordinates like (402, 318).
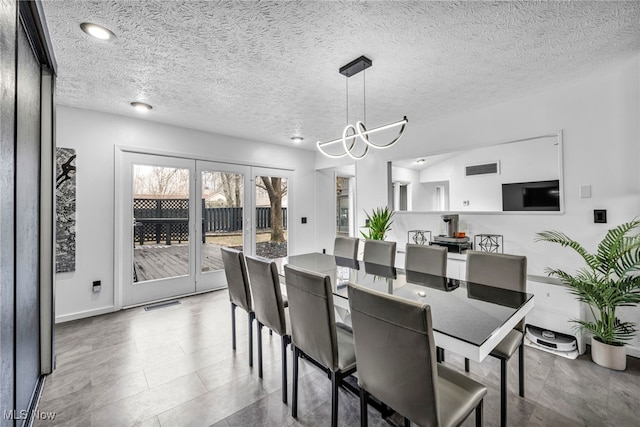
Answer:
(456, 268)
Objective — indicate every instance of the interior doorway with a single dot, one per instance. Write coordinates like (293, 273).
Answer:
(345, 205)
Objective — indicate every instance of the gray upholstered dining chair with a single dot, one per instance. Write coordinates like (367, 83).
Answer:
(314, 333)
(429, 260)
(397, 364)
(239, 292)
(426, 259)
(269, 307)
(346, 247)
(507, 272)
(380, 252)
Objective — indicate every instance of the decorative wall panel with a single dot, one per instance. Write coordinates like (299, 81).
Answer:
(65, 210)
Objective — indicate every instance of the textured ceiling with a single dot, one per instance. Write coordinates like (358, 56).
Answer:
(269, 70)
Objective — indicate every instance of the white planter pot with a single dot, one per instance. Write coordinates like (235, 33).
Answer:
(609, 356)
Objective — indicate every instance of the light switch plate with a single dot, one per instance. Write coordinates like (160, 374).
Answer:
(585, 191)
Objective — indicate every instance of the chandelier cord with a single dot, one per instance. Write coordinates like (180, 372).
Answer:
(364, 92)
(346, 80)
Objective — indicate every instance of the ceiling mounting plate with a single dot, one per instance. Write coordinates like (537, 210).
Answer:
(355, 66)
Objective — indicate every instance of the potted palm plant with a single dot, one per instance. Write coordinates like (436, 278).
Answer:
(610, 279)
(378, 223)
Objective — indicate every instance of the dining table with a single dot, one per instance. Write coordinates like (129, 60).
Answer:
(468, 318)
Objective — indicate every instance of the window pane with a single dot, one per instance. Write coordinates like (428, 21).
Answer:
(161, 222)
(222, 216)
(271, 217)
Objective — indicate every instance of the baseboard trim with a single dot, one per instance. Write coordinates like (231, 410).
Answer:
(631, 350)
(87, 313)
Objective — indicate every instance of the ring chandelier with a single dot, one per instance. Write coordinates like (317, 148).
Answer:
(352, 134)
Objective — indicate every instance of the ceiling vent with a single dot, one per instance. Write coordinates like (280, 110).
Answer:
(492, 168)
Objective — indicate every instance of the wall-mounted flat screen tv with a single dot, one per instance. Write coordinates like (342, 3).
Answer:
(531, 196)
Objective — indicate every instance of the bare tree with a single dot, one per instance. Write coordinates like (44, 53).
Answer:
(231, 188)
(276, 189)
(159, 181)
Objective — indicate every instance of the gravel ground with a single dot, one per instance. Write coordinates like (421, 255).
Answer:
(269, 249)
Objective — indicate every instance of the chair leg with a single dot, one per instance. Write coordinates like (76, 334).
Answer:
(466, 364)
(233, 326)
(335, 386)
(479, 414)
(259, 349)
(251, 317)
(294, 393)
(285, 342)
(503, 392)
(364, 417)
(521, 369)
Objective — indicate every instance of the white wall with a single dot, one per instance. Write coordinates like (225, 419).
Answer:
(95, 135)
(600, 118)
(371, 187)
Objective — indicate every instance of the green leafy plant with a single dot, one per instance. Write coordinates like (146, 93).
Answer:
(378, 223)
(609, 280)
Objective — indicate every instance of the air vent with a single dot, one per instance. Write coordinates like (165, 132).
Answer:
(161, 305)
(483, 169)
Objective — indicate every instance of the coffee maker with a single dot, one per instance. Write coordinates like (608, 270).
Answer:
(452, 239)
(452, 224)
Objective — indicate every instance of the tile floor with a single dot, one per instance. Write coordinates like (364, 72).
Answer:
(175, 367)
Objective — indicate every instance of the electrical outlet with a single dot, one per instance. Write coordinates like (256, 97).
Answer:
(97, 286)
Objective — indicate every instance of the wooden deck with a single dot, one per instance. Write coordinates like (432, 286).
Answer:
(162, 261)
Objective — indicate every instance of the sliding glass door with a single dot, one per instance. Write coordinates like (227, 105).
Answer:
(222, 198)
(176, 214)
(159, 245)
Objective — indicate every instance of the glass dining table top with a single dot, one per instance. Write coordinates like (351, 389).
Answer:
(466, 311)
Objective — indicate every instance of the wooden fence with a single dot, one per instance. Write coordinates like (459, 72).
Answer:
(166, 220)
(230, 219)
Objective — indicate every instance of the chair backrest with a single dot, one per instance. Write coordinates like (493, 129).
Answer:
(396, 353)
(313, 325)
(237, 280)
(267, 297)
(499, 270)
(346, 247)
(426, 259)
(380, 252)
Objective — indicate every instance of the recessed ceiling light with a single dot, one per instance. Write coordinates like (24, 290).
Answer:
(97, 31)
(141, 107)
(297, 139)
(420, 161)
